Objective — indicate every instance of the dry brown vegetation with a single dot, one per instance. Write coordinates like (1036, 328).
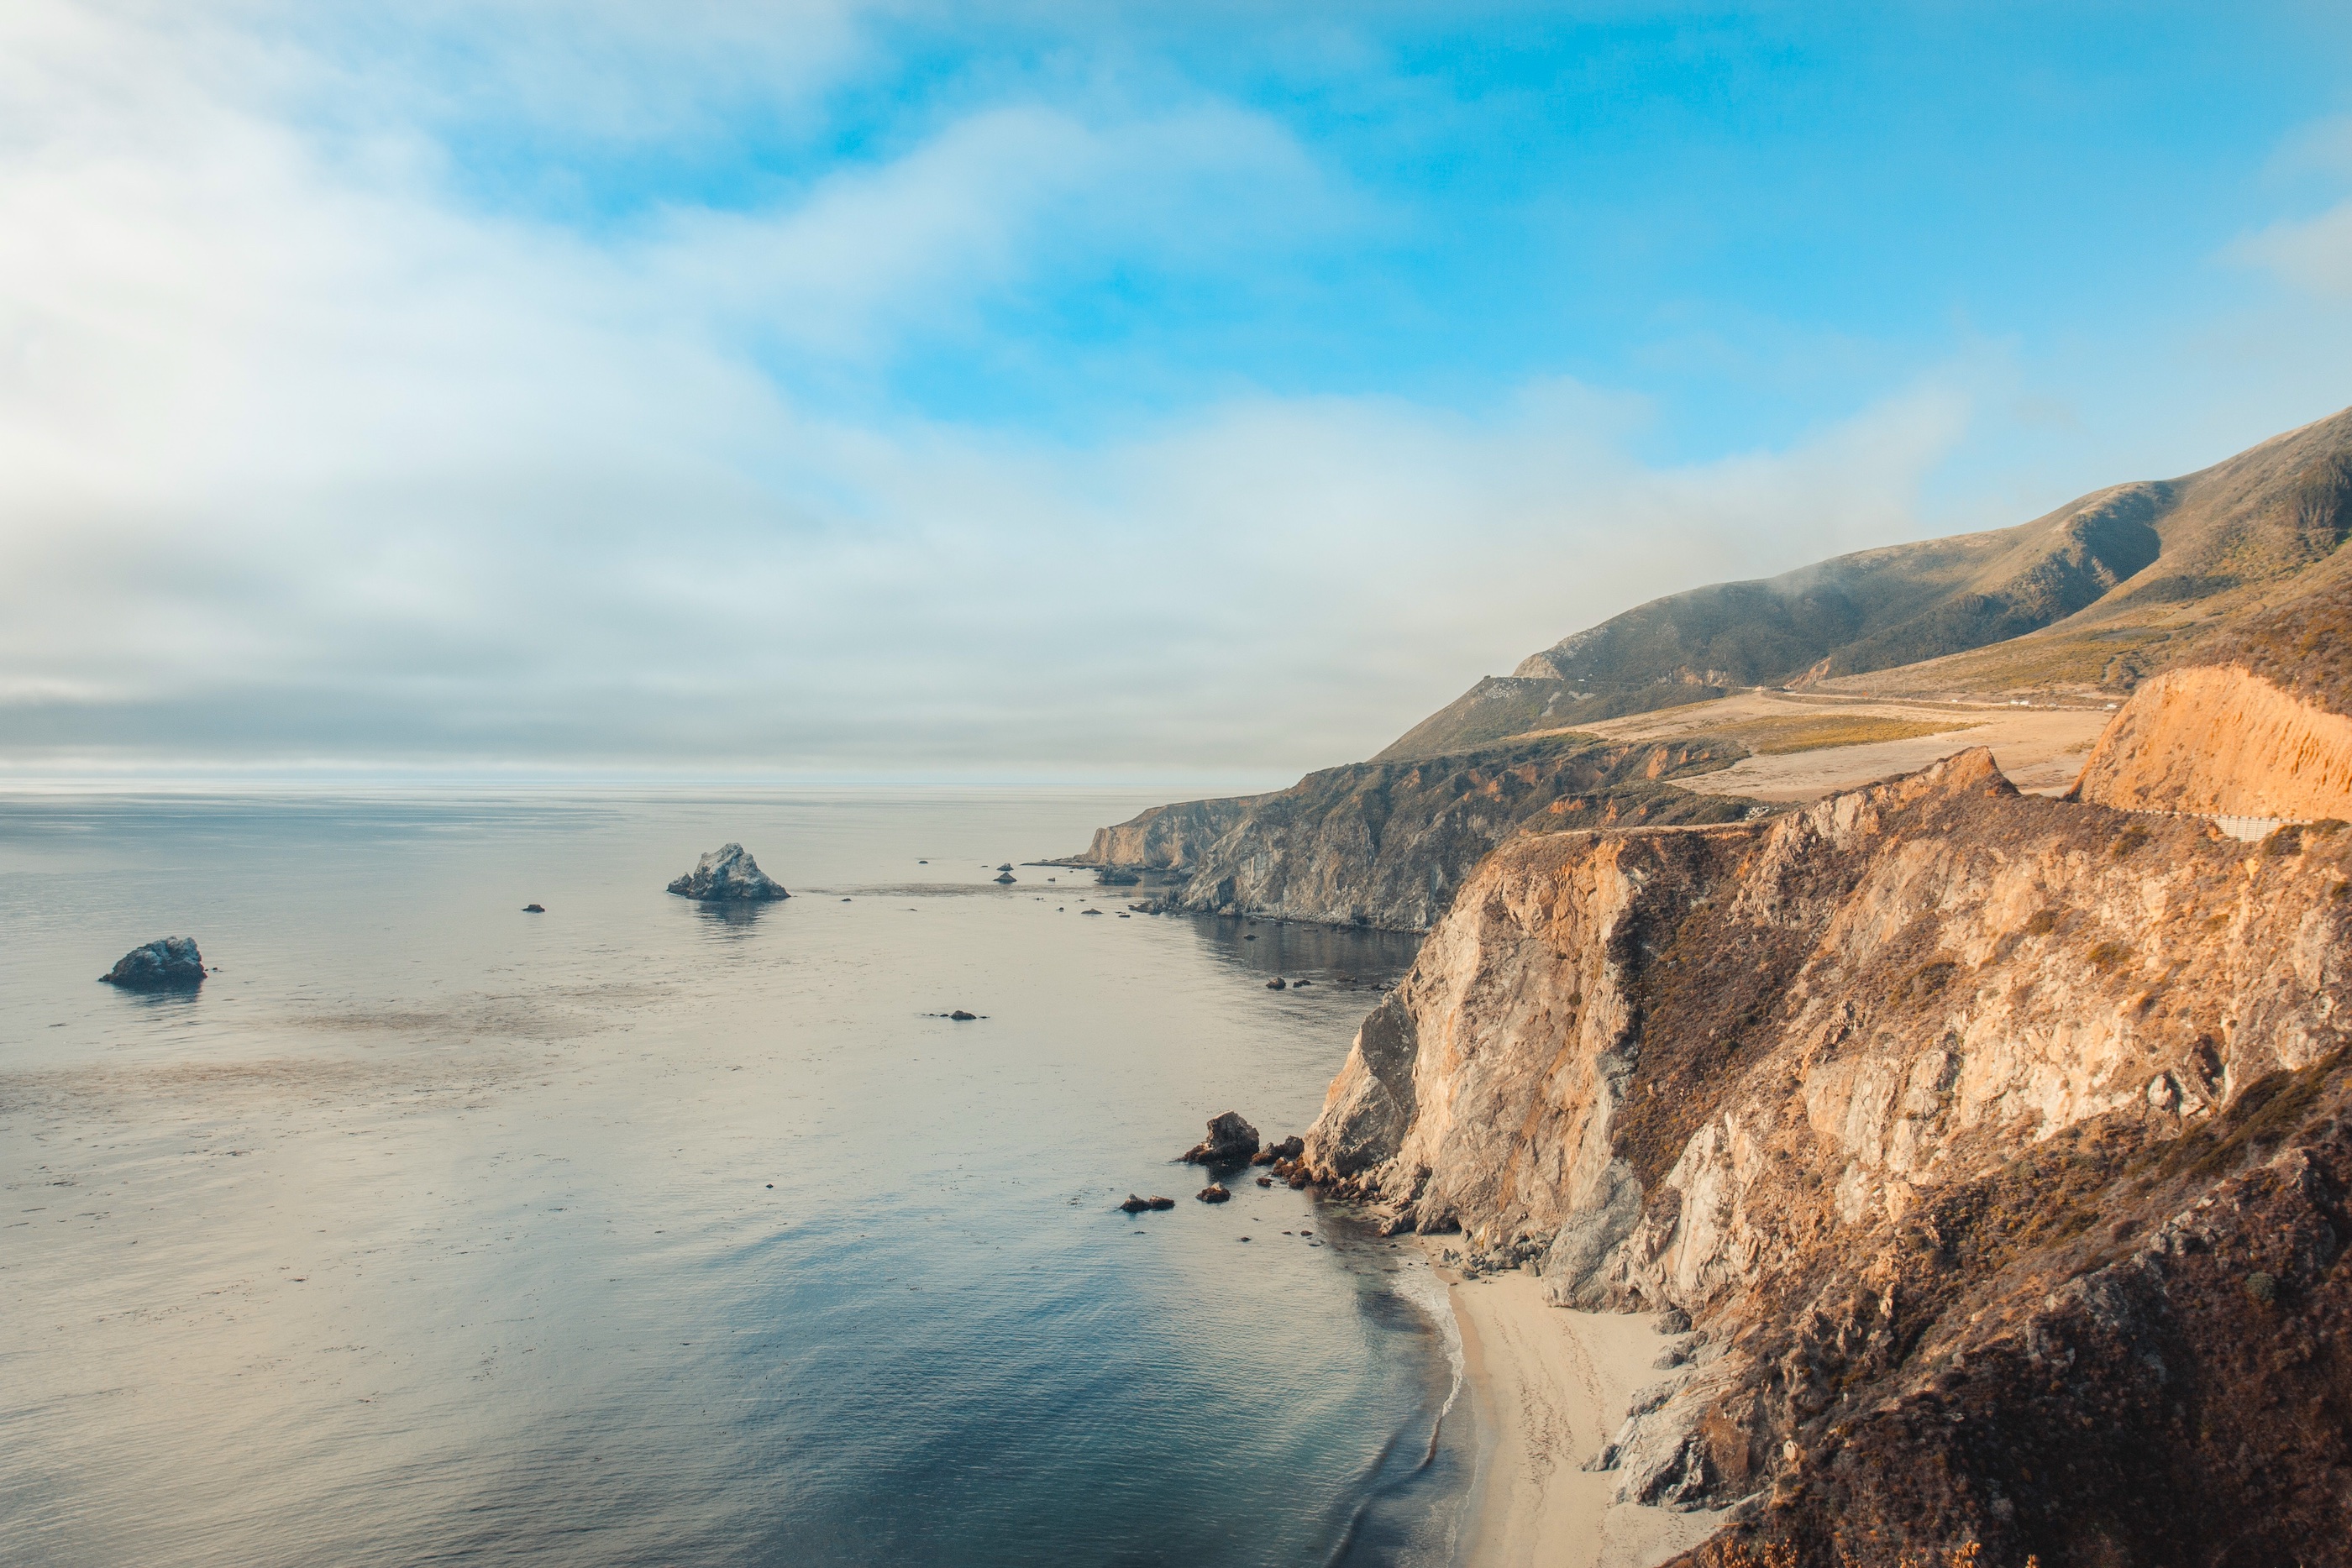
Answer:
(2305, 646)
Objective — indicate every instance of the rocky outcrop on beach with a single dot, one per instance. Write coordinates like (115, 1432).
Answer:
(1996, 1146)
(727, 875)
(1230, 1142)
(1387, 844)
(169, 964)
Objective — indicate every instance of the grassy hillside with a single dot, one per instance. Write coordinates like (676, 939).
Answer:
(2091, 598)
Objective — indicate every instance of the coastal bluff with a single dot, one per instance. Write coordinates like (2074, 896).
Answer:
(1387, 844)
(2260, 726)
(1995, 1146)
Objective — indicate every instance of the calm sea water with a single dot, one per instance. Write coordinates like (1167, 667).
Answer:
(635, 1233)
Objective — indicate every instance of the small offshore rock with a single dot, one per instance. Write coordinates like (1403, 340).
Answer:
(963, 1017)
(1214, 1193)
(1277, 984)
(1090, 912)
(1265, 1181)
(1006, 866)
(169, 964)
(1290, 1148)
(727, 875)
(534, 909)
(1004, 876)
(1134, 1204)
(1158, 1202)
(1300, 985)
(1230, 1142)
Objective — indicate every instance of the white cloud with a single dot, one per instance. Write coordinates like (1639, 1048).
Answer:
(2314, 253)
(301, 457)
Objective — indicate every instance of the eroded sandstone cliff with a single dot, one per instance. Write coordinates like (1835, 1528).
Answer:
(2220, 741)
(1387, 844)
(1995, 1144)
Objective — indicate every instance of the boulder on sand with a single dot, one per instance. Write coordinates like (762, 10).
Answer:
(172, 964)
(727, 875)
(1230, 1142)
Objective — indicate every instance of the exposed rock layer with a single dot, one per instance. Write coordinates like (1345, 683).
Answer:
(2221, 741)
(1387, 844)
(170, 964)
(1930, 1100)
(729, 874)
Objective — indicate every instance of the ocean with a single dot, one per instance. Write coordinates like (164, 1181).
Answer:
(639, 1231)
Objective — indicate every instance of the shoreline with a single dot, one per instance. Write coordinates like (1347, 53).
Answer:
(1547, 1386)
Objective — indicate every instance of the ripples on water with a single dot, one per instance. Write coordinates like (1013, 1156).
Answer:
(635, 1232)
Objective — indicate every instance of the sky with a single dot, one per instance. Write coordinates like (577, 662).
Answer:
(819, 389)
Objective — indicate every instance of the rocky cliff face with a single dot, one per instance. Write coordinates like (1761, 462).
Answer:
(2222, 741)
(1995, 1144)
(1169, 838)
(1388, 844)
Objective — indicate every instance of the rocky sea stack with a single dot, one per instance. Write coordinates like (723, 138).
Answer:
(171, 963)
(729, 874)
(1230, 1142)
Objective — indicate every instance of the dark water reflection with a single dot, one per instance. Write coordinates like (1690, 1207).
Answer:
(639, 1232)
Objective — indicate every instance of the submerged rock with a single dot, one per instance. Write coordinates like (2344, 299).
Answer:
(170, 964)
(727, 875)
(1230, 1142)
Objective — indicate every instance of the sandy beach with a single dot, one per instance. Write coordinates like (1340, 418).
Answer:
(1548, 1386)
